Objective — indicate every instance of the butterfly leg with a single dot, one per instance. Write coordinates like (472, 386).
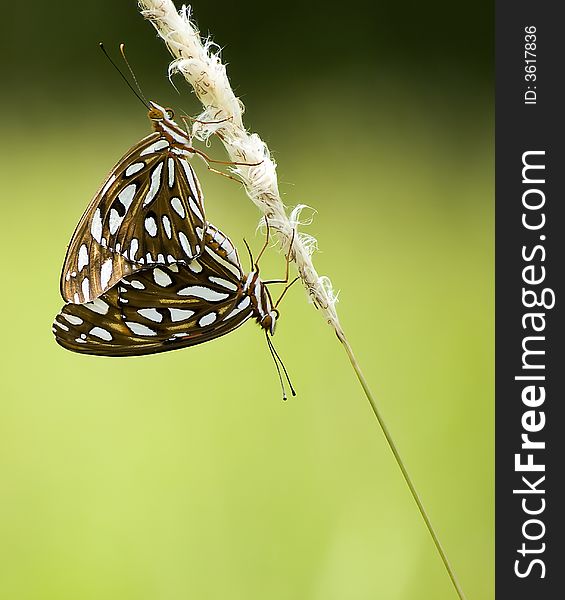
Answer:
(286, 276)
(222, 162)
(254, 263)
(287, 287)
(218, 172)
(212, 170)
(267, 236)
(188, 117)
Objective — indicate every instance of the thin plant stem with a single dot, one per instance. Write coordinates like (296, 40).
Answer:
(400, 463)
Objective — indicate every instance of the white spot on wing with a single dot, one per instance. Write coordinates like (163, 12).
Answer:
(61, 325)
(140, 329)
(244, 303)
(190, 177)
(178, 207)
(179, 314)
(224, 283)
(158, 145)
(137, 284)
(86, 289)
(185, 244)
(135, 168)
(82, 257)
(151, 226)
(207, 319)
(151, 313)
(155, 184)
(133, 248)
(167, 226)
(171, 171)
(105, 273)
(161, 278)
(195, 266)
(72, 319)
(195, 209)
(199, 291)
(231, 314)
(115, 221)
(96, 226)
(101, 333)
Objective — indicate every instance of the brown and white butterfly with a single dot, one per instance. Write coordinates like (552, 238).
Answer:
(148, 212)
(172, 306)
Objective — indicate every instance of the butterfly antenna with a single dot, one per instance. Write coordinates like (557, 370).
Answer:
(273, 354)
(123, 53)
(250, 254)
(140, 98)
(276, 356)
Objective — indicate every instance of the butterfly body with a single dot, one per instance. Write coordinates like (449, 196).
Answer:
(149, 211)
(167, 307)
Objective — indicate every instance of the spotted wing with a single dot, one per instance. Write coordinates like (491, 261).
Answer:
(162, 308)
(149, 211)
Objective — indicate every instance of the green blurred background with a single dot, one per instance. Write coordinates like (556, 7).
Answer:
(184, 475)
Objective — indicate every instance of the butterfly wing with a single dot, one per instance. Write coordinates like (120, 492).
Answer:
(149, 211)
(162, 308)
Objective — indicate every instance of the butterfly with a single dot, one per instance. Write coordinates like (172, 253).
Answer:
(148, 212)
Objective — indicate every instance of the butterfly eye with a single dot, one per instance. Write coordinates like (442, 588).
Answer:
(170, 113)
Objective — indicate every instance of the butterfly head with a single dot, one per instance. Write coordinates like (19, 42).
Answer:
(158, 113)
(269, 321)
(162, 120)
